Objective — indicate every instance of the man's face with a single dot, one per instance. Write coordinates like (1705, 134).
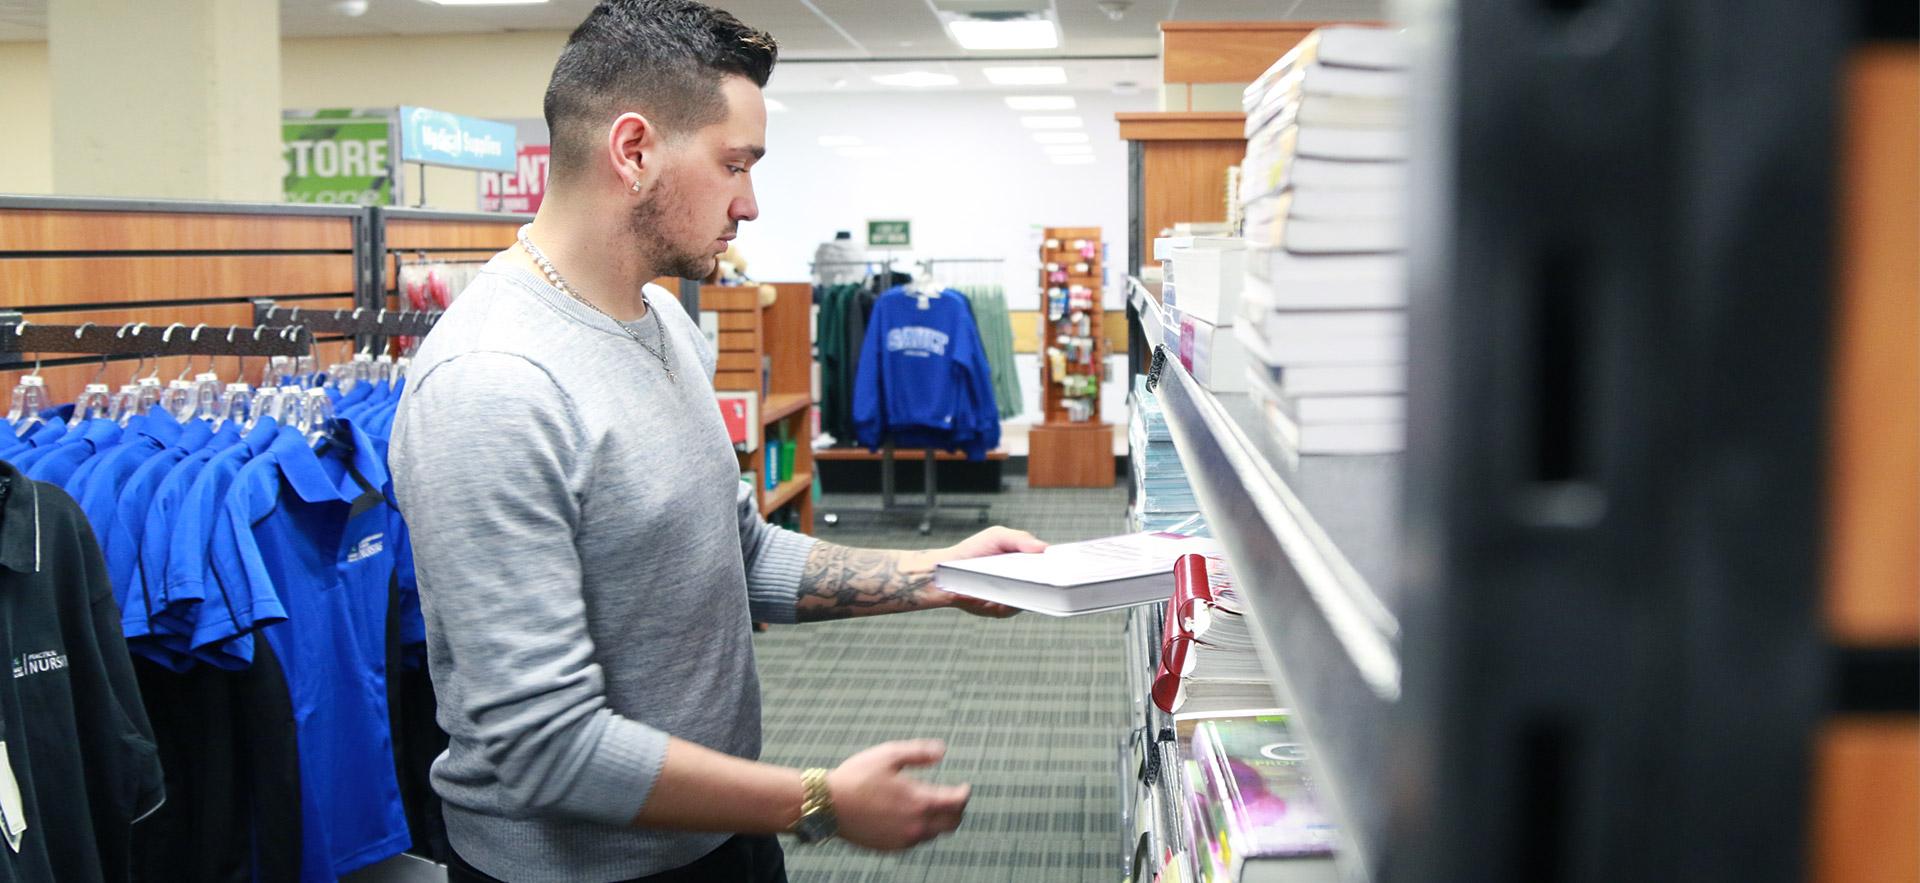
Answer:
(705, 188)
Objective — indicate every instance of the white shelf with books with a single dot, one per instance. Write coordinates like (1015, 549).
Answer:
(1282, 383)
(1314, 541)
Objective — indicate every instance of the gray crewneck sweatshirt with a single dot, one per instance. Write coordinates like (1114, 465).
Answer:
(590, 563)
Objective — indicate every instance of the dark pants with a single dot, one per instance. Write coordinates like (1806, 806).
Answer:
(742, 859)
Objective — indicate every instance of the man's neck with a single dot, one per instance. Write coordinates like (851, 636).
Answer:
(597, 262)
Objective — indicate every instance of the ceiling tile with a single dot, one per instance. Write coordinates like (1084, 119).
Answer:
(1343, 10)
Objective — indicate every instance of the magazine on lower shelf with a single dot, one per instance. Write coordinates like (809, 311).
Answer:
(1266, 821)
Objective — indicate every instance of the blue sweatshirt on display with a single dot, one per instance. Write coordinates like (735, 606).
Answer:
(923, 377)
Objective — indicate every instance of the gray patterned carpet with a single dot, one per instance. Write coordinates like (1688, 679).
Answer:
(1031, 709)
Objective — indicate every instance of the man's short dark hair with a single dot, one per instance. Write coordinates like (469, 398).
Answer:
(663, 58)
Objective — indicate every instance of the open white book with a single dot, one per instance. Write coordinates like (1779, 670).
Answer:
(1075, 578)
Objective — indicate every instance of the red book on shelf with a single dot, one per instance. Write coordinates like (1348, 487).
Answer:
(739, 411)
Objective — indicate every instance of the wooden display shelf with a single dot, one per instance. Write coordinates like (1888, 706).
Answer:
(1052, 398)
(772, 500)
(781, 405)
(775, 336)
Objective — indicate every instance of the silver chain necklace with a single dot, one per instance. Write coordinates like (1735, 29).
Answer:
(554, 277)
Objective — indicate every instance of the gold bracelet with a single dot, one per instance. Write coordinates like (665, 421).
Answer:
(817, 821)
(817, 797)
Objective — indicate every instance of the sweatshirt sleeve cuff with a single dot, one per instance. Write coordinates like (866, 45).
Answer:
(619, 774)
(773, 576)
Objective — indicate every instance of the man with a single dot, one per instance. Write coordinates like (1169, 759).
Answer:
(589, 560)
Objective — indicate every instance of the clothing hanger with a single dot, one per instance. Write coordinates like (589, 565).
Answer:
(320, 424)
(238, 403)
(149, 386)
(206, 384)
(29, 395)
(92, 403)
(292, 398)
(124, 403)
(178, 398)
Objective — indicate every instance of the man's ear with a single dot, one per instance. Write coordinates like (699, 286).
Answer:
(631, 145)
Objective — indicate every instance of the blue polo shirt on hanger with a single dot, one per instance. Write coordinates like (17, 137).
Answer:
(121, 541)
(231, 608)
(188, 571)
(98, 482)
(130, 503)
(377, 392)
(57, 464)
(305, 531)
(39, 436)
(354, 396)
(144, 617)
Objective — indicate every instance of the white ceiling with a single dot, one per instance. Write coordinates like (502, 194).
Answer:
(1083, 75)
(806, 29)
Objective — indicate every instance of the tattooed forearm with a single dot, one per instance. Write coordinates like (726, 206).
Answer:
(840, 582)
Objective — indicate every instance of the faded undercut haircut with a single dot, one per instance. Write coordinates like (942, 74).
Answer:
(665, 59)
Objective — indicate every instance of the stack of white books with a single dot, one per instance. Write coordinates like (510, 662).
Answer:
(1202, 277)
(1322, 306)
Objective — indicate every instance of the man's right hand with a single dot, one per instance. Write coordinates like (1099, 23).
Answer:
(880, 807)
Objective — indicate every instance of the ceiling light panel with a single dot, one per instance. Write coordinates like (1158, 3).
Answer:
(989, 35)
(917, 80)
(1044, 75)
(1052, 122)
(1041, 102)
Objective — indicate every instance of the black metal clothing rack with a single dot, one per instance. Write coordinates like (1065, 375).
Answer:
(928, 512)
(358, 322)
(18, 335)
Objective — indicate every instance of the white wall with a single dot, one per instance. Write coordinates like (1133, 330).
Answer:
(958, 164)
(26, 119)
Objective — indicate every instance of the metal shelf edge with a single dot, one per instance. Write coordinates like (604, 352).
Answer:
(1332, 660)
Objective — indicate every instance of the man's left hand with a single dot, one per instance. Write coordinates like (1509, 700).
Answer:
(992, 541)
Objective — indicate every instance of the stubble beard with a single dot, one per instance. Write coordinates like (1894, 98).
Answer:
(648, 223)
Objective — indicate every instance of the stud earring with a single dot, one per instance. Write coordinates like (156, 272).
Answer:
(636, 186)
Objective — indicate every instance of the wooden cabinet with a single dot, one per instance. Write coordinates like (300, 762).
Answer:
(1182, 162)
(1070, 455)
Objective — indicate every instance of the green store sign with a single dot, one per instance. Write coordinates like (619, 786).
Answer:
(883, 234)
(339, 156)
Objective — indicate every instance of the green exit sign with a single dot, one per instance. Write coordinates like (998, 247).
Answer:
(889, 233)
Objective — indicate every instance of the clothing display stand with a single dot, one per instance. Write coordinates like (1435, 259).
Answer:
(928, 512)
(1064, 451)
(931, 509)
